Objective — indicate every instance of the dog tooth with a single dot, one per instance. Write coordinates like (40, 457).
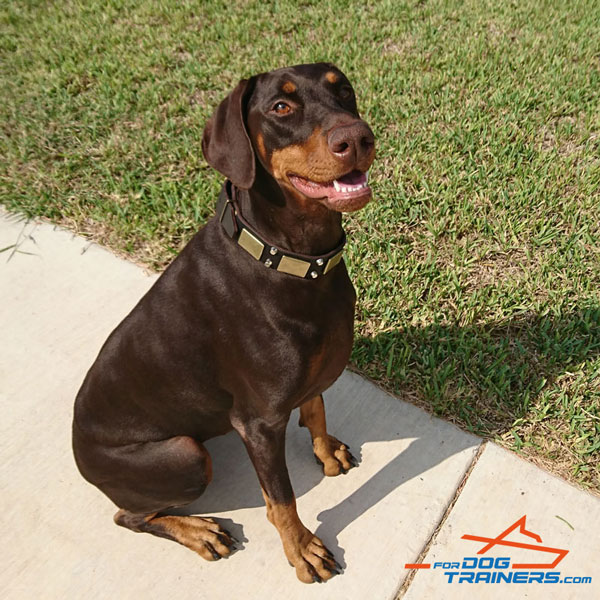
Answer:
(336, 185)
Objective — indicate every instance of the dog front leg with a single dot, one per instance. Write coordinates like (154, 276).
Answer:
(265, 442)
(333, 455)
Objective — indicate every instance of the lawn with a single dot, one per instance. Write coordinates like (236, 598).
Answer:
(477, 265)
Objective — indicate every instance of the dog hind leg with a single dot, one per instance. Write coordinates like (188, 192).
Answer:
(146, 479)
(200, 534)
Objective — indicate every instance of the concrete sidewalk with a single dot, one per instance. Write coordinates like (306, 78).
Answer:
(421, 485)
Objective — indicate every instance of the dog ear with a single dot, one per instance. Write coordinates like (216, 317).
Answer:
(226, 144)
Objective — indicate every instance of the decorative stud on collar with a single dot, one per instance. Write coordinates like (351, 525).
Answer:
(239, 230)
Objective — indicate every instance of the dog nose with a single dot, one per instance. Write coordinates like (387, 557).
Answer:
(351, 142)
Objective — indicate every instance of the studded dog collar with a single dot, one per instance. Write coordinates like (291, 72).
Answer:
(271, 256)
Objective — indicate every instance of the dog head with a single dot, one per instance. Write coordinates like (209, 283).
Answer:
(302, 127)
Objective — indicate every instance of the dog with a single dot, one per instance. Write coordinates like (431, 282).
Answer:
(253, 319)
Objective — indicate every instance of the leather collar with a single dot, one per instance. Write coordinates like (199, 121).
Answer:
(271, 256)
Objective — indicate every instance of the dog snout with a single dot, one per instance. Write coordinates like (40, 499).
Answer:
(353, 143)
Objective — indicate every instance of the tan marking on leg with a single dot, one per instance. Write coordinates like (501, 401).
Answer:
(202, 535)
(268, 505)
(306, 552)
(334, 455)
(331, 77)
(289, 87)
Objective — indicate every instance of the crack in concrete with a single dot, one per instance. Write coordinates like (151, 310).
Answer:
(409, 579)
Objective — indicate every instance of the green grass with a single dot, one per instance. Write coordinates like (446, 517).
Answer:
(477, 266)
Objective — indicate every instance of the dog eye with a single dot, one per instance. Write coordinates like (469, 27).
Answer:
(281, 108)
(346, 93)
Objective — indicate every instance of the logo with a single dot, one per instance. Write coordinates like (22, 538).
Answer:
(499, 540)
(501, 569)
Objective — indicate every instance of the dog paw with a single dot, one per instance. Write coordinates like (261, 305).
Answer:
(314, 563)
(334, 455)
(205, 537)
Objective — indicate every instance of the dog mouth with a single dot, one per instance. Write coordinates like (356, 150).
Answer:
(349, 192)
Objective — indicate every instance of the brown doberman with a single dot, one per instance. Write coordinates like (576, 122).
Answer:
(253, 319)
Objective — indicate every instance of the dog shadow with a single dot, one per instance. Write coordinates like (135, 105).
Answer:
(361, 415)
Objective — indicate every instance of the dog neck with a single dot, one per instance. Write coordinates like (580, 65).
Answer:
(300, 225)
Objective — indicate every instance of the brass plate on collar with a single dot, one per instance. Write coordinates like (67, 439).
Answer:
(334, 260)
(293, 266)
(251, 244)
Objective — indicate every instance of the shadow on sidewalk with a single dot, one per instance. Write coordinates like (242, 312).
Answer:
(360, 415)
(503, 366)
